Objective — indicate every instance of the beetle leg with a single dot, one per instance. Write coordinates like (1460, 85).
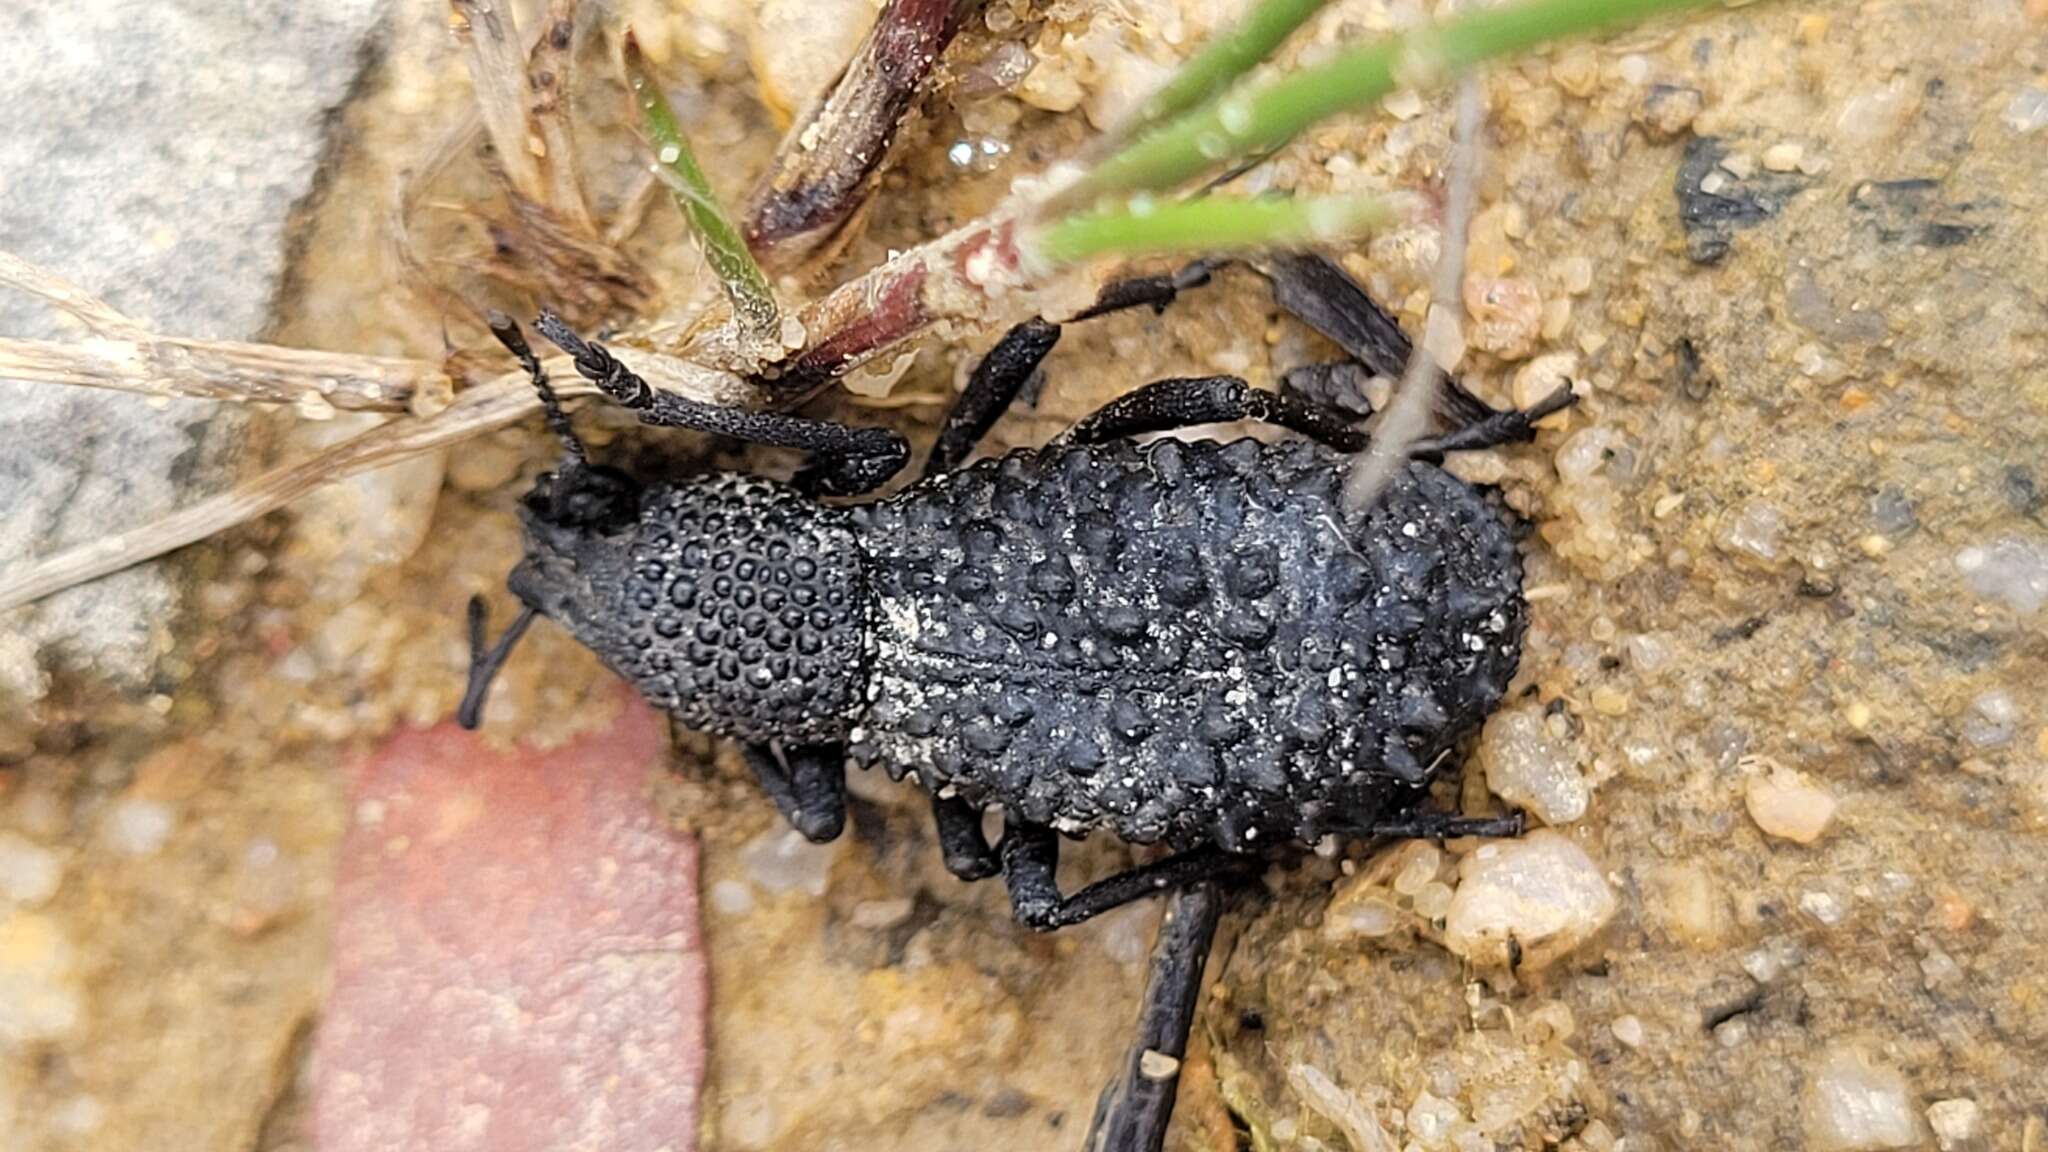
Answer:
(1009, 366)
(1165, 405)
(965, 849)
(1511, 427)
(1154, 292)
(843, 460)
(1445, 826)
(1132, 1112)
(1320, 294)
(995, 383)
(808, 785)
(1031, 853)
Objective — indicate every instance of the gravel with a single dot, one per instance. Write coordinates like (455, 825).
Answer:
(1854, 1103)
(1540, 895)
(1788, 805)
(29, 872)
(2011, 570)
(1526, 767)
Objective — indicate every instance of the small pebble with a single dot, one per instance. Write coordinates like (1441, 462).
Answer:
(2028, 110)
(1756, 531)
(731, 898)
(1956, 1123)
(1156, 1065)
(783, 861)
(1684, 900)
(1788, 805)
(1784, 157)
(2011, 570)
(1822, 906)
(1405, 104)
(1855, 1104)
(1506, 314)
(39, 993)
(1360, 911)
(1938, 968)
(1418, 869)
(1541, 892)
(875, 915)
(1669, 109)
(1434, 901)
(1575, 274)
(29, 872)
(1430, 1118)
(137, 827)
(1527, 768)
(1993, 719)
(1628, 1030)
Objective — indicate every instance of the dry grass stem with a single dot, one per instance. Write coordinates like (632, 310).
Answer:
(547, 73)
(124, 355)
(486, 407)
(495, 404)
(497, 67)
(83, 306)
(1407, 415)
(318, 383)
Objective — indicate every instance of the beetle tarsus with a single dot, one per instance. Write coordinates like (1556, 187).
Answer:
(807, 784)
(1031, 855)
(485, 659)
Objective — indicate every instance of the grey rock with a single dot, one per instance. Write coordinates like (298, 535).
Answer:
(154, 152)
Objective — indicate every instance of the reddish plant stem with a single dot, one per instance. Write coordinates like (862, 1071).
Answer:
(965, 282)
(829, 161)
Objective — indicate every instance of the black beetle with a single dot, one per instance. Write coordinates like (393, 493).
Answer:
(1191, 643)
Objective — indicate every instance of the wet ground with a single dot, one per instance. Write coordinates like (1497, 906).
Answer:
(1784, 687)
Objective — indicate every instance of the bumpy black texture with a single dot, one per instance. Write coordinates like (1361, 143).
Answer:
(734, 603)
(1183, 641)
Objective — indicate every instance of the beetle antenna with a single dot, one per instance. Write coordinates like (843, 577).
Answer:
(507, 331)
(485, 659)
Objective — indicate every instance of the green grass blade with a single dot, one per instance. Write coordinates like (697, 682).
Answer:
(1246, 121)
(1222, 61)
(753, 302)
(1208, 224)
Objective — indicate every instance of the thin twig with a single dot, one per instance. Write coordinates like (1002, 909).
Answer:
(1407, 414)
(479, 410)
(966, 282)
